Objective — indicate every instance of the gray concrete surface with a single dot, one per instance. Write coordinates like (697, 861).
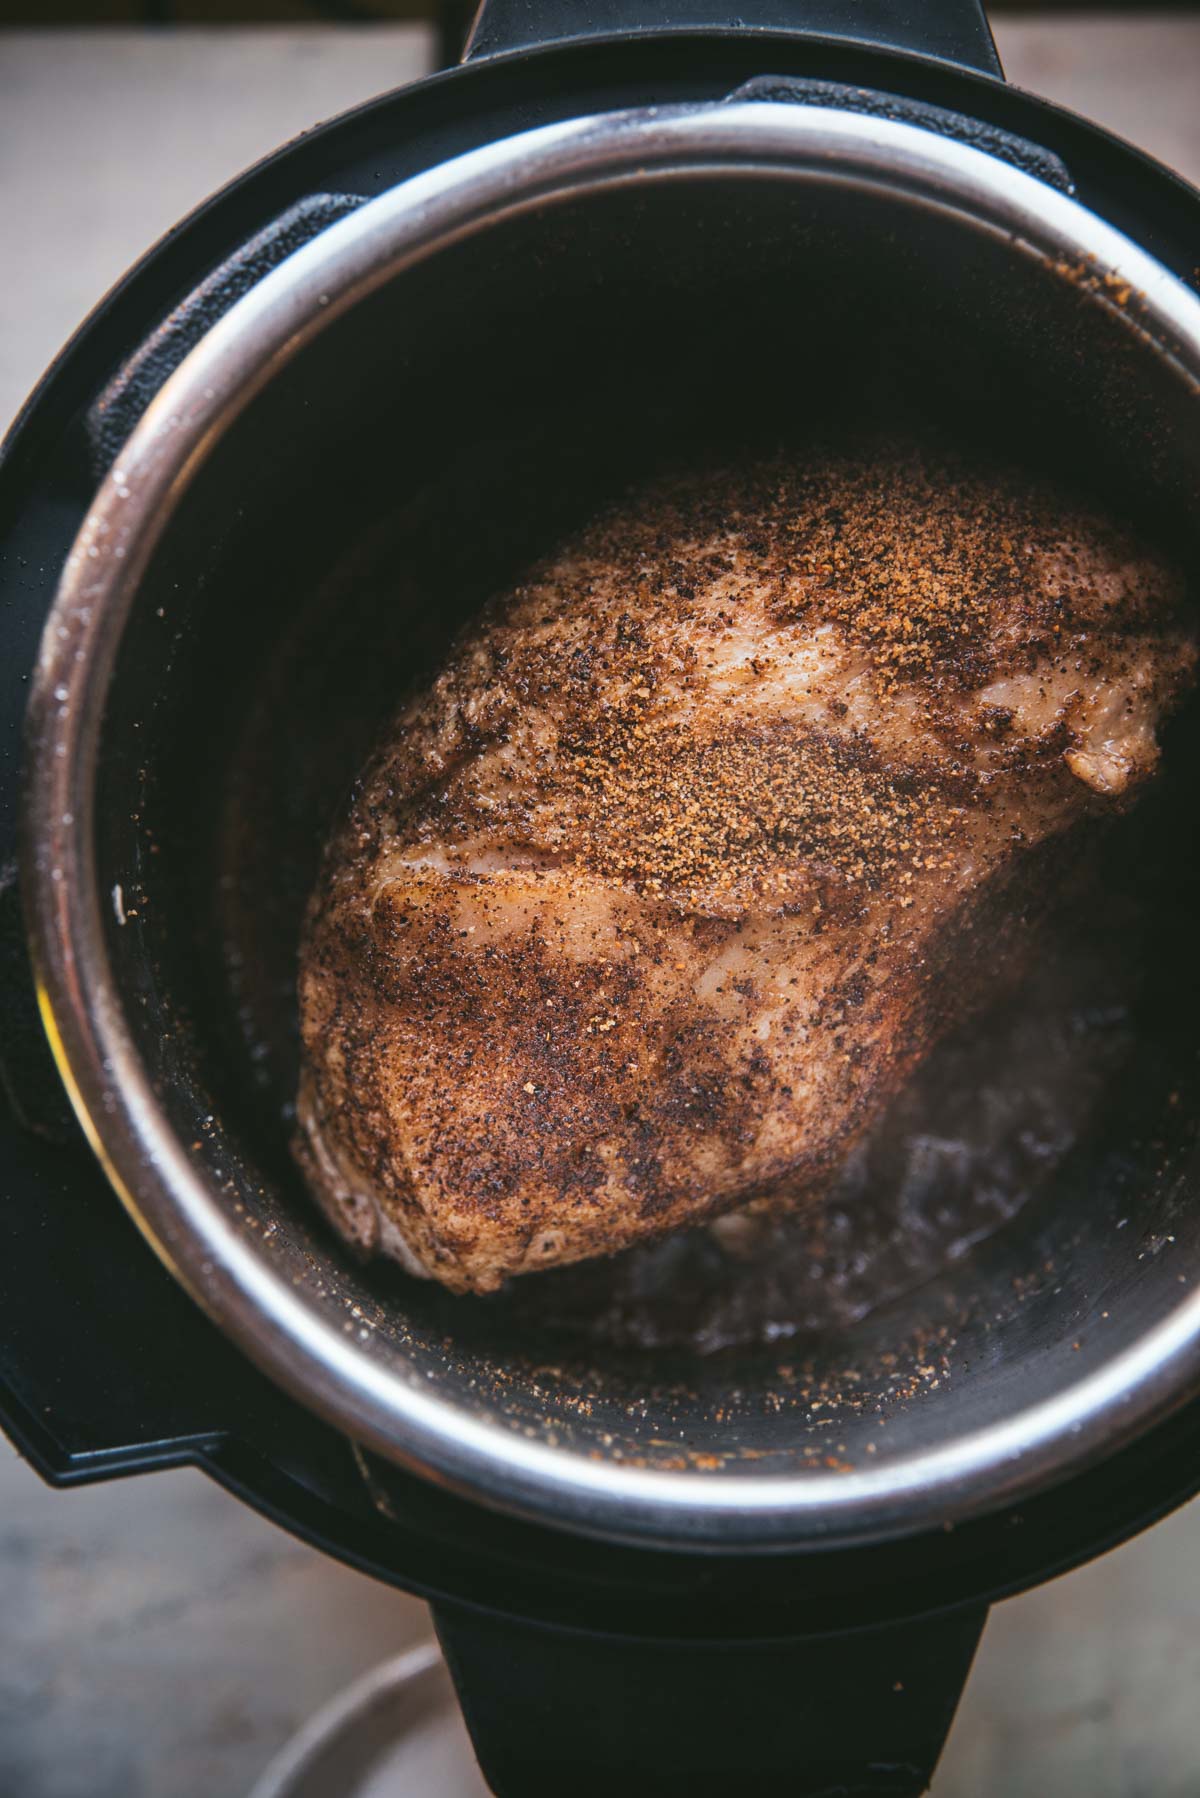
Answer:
(158, 1640)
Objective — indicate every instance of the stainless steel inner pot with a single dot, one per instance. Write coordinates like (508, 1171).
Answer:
(339, 471)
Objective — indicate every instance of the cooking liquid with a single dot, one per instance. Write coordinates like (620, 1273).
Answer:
(982, 1127)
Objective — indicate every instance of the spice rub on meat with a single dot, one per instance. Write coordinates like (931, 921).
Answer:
(659, 891)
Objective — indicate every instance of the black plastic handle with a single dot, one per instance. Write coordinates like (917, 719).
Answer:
(978, 134)
(117, 410)
(953, 31)
(864, 1713)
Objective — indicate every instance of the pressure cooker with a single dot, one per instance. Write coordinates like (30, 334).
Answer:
(256, 492)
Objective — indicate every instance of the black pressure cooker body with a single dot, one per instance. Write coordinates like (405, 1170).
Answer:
(269, 476)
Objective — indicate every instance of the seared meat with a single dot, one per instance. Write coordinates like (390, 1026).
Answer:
(660, 890)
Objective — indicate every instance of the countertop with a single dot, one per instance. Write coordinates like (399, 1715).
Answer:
(157, 1639)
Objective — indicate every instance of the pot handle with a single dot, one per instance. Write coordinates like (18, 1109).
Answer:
(114, 413)
(953, 31)
(862, 1715)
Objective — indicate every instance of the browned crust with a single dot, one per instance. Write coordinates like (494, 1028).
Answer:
(581, 872)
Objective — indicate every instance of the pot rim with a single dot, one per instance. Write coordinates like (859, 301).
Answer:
(180, 1215)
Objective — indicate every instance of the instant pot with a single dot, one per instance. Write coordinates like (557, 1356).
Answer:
(254, 496)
